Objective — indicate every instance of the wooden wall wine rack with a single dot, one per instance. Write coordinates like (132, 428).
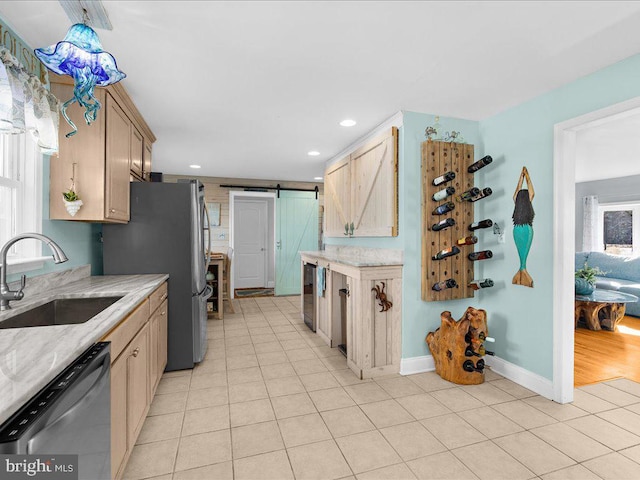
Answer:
(437, 159)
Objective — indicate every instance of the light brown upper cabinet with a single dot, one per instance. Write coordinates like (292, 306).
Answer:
(361, 190)
(107, 154)
(137, 151)
(146, 161)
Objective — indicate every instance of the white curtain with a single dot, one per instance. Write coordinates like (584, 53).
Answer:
(26, 105)
(590, 242)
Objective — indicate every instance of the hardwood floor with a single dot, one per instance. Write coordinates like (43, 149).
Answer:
(603, 355)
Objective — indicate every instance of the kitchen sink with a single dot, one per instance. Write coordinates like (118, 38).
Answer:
(64, 311)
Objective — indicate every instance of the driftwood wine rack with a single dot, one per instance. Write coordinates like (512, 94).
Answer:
(437, 159)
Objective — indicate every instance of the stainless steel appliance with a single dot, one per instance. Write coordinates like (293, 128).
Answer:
(309, 295)
(166, 234)
(70, 416)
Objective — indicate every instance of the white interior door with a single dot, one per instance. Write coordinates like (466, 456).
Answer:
(250, 241)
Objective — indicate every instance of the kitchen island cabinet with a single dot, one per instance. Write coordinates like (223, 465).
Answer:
(372, 336)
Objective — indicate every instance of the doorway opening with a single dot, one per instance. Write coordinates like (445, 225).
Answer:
(567, 137)
(252, 237)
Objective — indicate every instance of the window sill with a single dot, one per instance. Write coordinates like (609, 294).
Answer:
(22, 265)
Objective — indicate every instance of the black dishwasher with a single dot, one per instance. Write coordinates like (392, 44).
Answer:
(70, 416)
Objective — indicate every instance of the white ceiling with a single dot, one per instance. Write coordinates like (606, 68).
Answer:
(609, 150)
(246, 89)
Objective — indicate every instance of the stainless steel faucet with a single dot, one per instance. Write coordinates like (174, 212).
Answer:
(7, 295)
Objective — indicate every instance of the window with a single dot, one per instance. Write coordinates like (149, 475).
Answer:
(619, 228)
(20, 199)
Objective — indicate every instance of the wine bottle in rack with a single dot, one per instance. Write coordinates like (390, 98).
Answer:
(484, 193)
(481, 255)
(444, 193)
(446, 223)
(450, 283)
(483, 351)
(470, 240)
(468, 366)
(478, 284)
(444, 208)
(468, 352)
(468, 195)
(483, 162)
(487, 223)
(482, 336)
(447, 177)
(447, 252)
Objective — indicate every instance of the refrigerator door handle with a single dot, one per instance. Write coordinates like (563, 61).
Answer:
(208, 229)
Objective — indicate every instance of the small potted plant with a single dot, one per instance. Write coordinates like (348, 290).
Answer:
(72, 201)
(586, 279)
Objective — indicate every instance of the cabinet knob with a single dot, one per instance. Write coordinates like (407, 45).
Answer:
(136, 352)
(113, 210)
(164, 312)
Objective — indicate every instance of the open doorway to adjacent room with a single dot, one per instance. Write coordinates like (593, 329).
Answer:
(252, 238)
(597, 220)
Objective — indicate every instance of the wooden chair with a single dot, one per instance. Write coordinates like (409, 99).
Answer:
(226, 275)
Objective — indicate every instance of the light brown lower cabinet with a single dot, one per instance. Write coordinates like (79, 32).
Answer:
(138, 359)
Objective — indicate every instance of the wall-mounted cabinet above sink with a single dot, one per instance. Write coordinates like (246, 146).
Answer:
(64, 311)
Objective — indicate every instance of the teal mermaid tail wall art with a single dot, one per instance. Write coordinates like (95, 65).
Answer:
(523, 226)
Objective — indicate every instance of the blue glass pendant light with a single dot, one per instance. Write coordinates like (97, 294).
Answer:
(80, 55)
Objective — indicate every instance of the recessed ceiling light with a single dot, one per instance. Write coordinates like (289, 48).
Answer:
(194, 166)
(317, 178)
(313, 153)
(348, 122)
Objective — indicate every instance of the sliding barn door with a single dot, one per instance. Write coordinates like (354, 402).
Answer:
(296, 230)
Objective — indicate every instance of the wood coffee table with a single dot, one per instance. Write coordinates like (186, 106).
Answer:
(602, 309)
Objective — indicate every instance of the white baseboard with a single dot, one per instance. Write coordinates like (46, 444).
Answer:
(532, 381)
(527, 379)
(412, 365)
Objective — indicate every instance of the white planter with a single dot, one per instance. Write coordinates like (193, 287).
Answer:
(72, 207)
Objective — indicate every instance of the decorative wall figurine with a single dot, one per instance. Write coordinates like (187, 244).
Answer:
(523, 226)
(382, 297)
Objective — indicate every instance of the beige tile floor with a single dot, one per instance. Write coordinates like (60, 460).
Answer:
(271, 401)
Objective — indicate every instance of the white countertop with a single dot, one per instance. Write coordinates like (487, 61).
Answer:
(364, 259)
(31, 357)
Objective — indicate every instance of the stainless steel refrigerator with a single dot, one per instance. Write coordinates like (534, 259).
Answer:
(167, 234)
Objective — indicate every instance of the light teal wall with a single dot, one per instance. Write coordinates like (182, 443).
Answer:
(521, 318)
(79, 240)
(418, 317)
